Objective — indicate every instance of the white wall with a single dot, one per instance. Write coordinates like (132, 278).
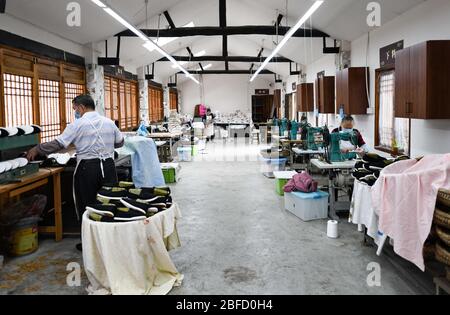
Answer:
(428, 21)
(223, 93)
(30, 31)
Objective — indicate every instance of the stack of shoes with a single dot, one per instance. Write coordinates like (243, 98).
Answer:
(125, 203)
(369, 168)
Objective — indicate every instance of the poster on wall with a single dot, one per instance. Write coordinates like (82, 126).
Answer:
(387, 54)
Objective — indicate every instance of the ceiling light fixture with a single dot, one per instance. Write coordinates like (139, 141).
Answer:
(149, 44)
(205, 67)
(288, 36)
(200, 53)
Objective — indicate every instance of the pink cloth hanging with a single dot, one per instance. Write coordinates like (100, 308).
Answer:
(405, 197)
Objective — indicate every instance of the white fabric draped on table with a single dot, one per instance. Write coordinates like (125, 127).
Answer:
(362, 212)
(132, 258)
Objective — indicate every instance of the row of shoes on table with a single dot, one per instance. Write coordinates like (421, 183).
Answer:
(369, 168)
(11, 165)
(126, 203)
(19, 131)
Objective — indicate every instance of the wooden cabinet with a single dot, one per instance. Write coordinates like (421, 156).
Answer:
(305, 97)
(422, 81)
(351, 91)
(325, 95)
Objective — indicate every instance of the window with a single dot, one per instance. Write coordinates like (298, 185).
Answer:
(389, 130)
(134, 105)
(49, 110)
(71, 91)
(121, 102)
(156, 107)
(174, 100)
(123, 106)
(38, 90)
(18, 100)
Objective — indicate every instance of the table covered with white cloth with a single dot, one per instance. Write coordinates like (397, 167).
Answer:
(132, 258)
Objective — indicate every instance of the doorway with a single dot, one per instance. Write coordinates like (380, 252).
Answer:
(262, 106)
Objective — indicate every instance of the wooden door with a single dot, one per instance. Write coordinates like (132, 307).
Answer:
(287, 106)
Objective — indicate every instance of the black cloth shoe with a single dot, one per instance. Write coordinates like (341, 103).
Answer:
(146, 196)
(169, 202)
(129, 215)
(100, 218)
(369, 180)
(142, 207)
(361, 174)
(127, 185)
(114, 193)
(373, 158)
(108, 210)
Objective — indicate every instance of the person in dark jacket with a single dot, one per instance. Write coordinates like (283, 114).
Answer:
(347, 125)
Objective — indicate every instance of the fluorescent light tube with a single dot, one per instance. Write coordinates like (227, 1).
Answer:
(99, 3)
(200, 53)
(126, 24)
(288, 36)
(181, 63)
(152, 46)
(148, 43)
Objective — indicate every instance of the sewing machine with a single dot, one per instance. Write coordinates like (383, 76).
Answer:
(317, 137)
(335, 153)
(284, 127)
(294, 130)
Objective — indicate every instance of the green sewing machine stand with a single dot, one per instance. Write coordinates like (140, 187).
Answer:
(316, 138)
(335, 146)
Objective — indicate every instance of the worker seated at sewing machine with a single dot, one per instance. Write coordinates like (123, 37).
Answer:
(347, 126)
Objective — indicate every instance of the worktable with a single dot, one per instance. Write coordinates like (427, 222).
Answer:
(12, 192)
(339, 178)
(166, 136)
(232, 125)
(306, 157)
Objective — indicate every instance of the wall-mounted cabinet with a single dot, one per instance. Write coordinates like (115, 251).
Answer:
(326, 95)
(422, 81)
(351, 90)
(305, 97)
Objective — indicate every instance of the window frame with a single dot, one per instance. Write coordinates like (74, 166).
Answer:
(23, 63)
(160, 110)
(378, 73)
(130, 122)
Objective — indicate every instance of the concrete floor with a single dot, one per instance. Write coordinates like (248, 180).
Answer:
(236, 239)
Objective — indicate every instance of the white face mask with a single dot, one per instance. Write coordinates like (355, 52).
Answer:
(347, 130)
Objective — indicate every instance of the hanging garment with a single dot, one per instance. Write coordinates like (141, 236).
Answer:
(145, 162)
(362, 212)
(405, 197)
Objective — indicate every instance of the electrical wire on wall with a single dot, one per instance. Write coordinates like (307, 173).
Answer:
(202, 90)
(366, 72)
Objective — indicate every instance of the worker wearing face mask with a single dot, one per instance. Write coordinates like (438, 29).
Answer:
(347, 125)
(95, 137)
